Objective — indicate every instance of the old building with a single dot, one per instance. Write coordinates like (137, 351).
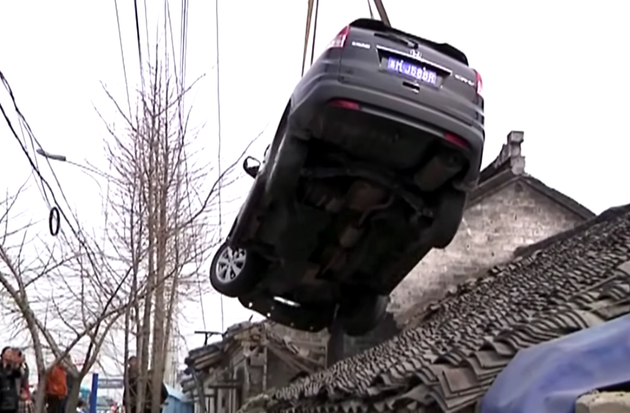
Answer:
(508, 215)
(452, 351)
(249, 359)
(510, 209)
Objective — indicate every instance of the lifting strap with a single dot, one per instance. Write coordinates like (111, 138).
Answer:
(307, 31)
(381, 12)
(370, 8)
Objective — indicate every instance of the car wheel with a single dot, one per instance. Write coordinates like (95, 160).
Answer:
(286, 167)
(234, 272)
(447, 218)
(358, 316)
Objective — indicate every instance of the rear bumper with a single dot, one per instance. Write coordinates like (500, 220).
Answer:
(308, 99)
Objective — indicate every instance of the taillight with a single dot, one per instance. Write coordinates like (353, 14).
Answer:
(346, 104)
(479, 83)
(455, 140)
(340, 39)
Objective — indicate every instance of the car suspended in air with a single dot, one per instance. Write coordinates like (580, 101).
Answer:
(369, 170)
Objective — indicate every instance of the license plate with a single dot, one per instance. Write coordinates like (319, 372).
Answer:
(413, 71)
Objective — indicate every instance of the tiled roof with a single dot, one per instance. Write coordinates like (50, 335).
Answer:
(462, 342)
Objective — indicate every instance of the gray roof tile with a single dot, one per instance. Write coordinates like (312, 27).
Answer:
(451, 357)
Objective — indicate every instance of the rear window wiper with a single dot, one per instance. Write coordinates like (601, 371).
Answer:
(399, 39)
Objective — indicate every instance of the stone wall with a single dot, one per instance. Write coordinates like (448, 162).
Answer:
(606, 402)
(515, 216)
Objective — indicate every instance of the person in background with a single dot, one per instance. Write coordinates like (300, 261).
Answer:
(56, 389)
(9, 375)
(130, 395)
(25, 404)
(81, 406)
(70, 381)
(149, 394)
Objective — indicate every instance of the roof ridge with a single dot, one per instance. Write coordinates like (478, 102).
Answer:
(608, 214)
(519, 253)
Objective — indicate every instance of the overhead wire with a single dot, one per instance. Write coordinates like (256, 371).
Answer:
(29, 132)
(135, 7)
(56, 209)
(184, 43)
(181, 77)
(218, 94)
(183, 66)
(146, 28)
(39, 184)
(122, 56)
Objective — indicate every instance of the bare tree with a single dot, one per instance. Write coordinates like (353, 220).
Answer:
(66, 296)
(164, 228)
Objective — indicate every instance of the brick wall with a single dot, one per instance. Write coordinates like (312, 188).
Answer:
(515, 216)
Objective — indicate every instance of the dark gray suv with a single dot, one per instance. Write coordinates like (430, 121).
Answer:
(368, 171)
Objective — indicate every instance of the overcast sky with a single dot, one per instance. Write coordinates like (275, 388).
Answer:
(555, 70)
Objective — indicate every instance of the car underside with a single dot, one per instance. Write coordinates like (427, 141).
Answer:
(355, 217)
(354, 221)
(368, 171)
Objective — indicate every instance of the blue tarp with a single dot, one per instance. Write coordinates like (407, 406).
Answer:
(549, 377)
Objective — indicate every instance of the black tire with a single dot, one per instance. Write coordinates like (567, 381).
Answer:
(303, 318)
(227, 282)
(358, 316)
(447, 218)
(286, 167)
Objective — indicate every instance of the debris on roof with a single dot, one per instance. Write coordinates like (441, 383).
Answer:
(447, 362)
(254, 335)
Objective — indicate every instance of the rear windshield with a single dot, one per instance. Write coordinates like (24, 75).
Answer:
(445, 48)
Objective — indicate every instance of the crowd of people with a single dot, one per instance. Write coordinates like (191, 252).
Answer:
(15, 393)
(16, 396)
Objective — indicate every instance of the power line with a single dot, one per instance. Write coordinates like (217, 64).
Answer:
(218, 76)
(146, 28)
(35, 169)
(122, 55)
(135, 7)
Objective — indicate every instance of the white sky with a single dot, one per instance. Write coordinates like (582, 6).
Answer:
(552, 69)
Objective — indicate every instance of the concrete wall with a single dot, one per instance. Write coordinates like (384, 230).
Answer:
(278, 372)
(341, 346)
(515, 216)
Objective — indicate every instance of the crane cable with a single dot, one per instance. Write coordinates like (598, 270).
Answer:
(307, 32)
(314, 31)
(370, 9)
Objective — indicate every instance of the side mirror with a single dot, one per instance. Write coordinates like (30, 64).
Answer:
(251, 166)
